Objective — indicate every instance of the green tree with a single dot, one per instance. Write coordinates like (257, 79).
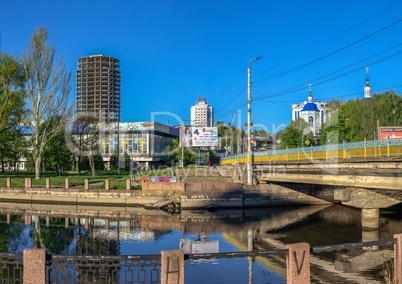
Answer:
(295, 134)
(48, 88)
(357, 120)
(12, 97)
(12, 92)
(57, 155)
(173, 154)
(84, 136)
(13, 146)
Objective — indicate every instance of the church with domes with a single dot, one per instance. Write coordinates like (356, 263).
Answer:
(315, 113)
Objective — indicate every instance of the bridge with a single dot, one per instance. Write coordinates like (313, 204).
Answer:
(365, 175)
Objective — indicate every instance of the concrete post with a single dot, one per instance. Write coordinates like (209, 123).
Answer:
(34, 266)
(28, 183)
(66, 222)
(172, 267)
(86, 184)
(250, 239)
(47, 221)
(128, 184)
(370, 236)
(8, 182)
(66, 184)
(371, 219)
(107, 184)
(8, 218)
(48, 183)
(298, 263)
(398, 259)
(86, 225)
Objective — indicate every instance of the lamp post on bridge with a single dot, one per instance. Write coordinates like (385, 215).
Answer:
(249, 150)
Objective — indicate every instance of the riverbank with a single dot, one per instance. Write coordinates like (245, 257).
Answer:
(169, 196)
(204, 188)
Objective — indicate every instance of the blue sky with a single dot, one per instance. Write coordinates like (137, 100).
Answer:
(174, 51)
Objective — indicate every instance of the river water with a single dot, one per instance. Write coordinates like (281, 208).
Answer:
(137, 231)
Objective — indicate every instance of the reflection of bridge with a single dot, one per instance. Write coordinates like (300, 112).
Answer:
(365, 175)
(350, 266)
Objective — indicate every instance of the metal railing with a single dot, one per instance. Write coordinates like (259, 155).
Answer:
(151, 268)
(363, 149)
(11, 268)
(104, 269)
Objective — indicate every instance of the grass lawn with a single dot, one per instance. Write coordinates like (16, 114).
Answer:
(75, 180)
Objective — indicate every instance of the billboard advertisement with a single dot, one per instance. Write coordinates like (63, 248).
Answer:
(390, 132)
(199, 137)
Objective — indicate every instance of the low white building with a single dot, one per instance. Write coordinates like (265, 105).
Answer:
(143, 142)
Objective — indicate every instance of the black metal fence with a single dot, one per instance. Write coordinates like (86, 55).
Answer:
(145, 268)
(103, 269)
(11, 268)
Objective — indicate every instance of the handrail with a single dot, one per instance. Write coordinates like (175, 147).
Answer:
(360, 149)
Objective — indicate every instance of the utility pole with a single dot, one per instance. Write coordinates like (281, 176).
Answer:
(249, 124)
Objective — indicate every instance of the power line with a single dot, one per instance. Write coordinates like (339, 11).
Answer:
(302, 86)
(331, 53)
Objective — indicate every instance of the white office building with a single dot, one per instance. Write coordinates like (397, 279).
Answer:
(202, 114)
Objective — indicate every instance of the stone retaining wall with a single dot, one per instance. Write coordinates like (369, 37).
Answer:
(76, 196)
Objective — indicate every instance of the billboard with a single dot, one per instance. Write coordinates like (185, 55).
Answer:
(199, 137)
(390, 132)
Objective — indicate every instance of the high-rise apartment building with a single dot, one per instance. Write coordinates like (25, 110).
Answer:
(202, 114)
(98, 87)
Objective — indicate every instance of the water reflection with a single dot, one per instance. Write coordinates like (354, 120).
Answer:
(83, 230)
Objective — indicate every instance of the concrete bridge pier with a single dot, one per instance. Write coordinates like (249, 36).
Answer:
(370, 226)
(370, 202)
(370, 219)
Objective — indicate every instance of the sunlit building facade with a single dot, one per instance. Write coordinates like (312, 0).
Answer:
(143, 142)
(202, 114)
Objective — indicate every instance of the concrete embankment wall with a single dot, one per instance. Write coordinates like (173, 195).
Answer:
(190, 191)
(189, 194)
(76, 196)
(234, 195)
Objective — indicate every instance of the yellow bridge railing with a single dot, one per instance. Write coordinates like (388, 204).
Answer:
(352, 150)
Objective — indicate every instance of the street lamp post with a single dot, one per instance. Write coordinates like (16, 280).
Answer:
(249, 151)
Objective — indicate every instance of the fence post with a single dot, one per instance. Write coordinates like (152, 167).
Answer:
(398, 259)
(107, 184)
(66, 184)
(388, 149)
(47, 183)
(364, 146)
(34, 266)
(344, 150)
(298, 263)
(28, 183)
(8, 182)
(128, 184)
(172, 267)
(86, 184)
